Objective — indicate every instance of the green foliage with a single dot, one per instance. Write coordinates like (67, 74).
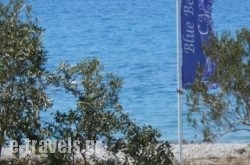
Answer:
(98, 111)
(227, 109)
(98, 114)
(22, 57)
(144, 148)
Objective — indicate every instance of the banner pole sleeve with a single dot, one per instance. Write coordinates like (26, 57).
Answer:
(179, 79)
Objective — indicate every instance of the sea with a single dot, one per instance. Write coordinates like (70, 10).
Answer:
(136, 40)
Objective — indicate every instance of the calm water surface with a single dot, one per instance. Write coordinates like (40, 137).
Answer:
(135, 39)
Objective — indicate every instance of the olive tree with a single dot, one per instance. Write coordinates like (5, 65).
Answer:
(99, 116)
(225, 109)
(22, 59)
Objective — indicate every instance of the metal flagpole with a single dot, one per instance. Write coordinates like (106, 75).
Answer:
(179, 78)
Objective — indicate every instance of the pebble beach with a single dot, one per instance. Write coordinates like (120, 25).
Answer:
(213, 154)
(196, 153)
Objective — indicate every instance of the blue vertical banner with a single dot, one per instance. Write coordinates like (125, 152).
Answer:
(196, 27)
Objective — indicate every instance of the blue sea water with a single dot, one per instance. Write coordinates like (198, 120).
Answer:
(136, 40)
